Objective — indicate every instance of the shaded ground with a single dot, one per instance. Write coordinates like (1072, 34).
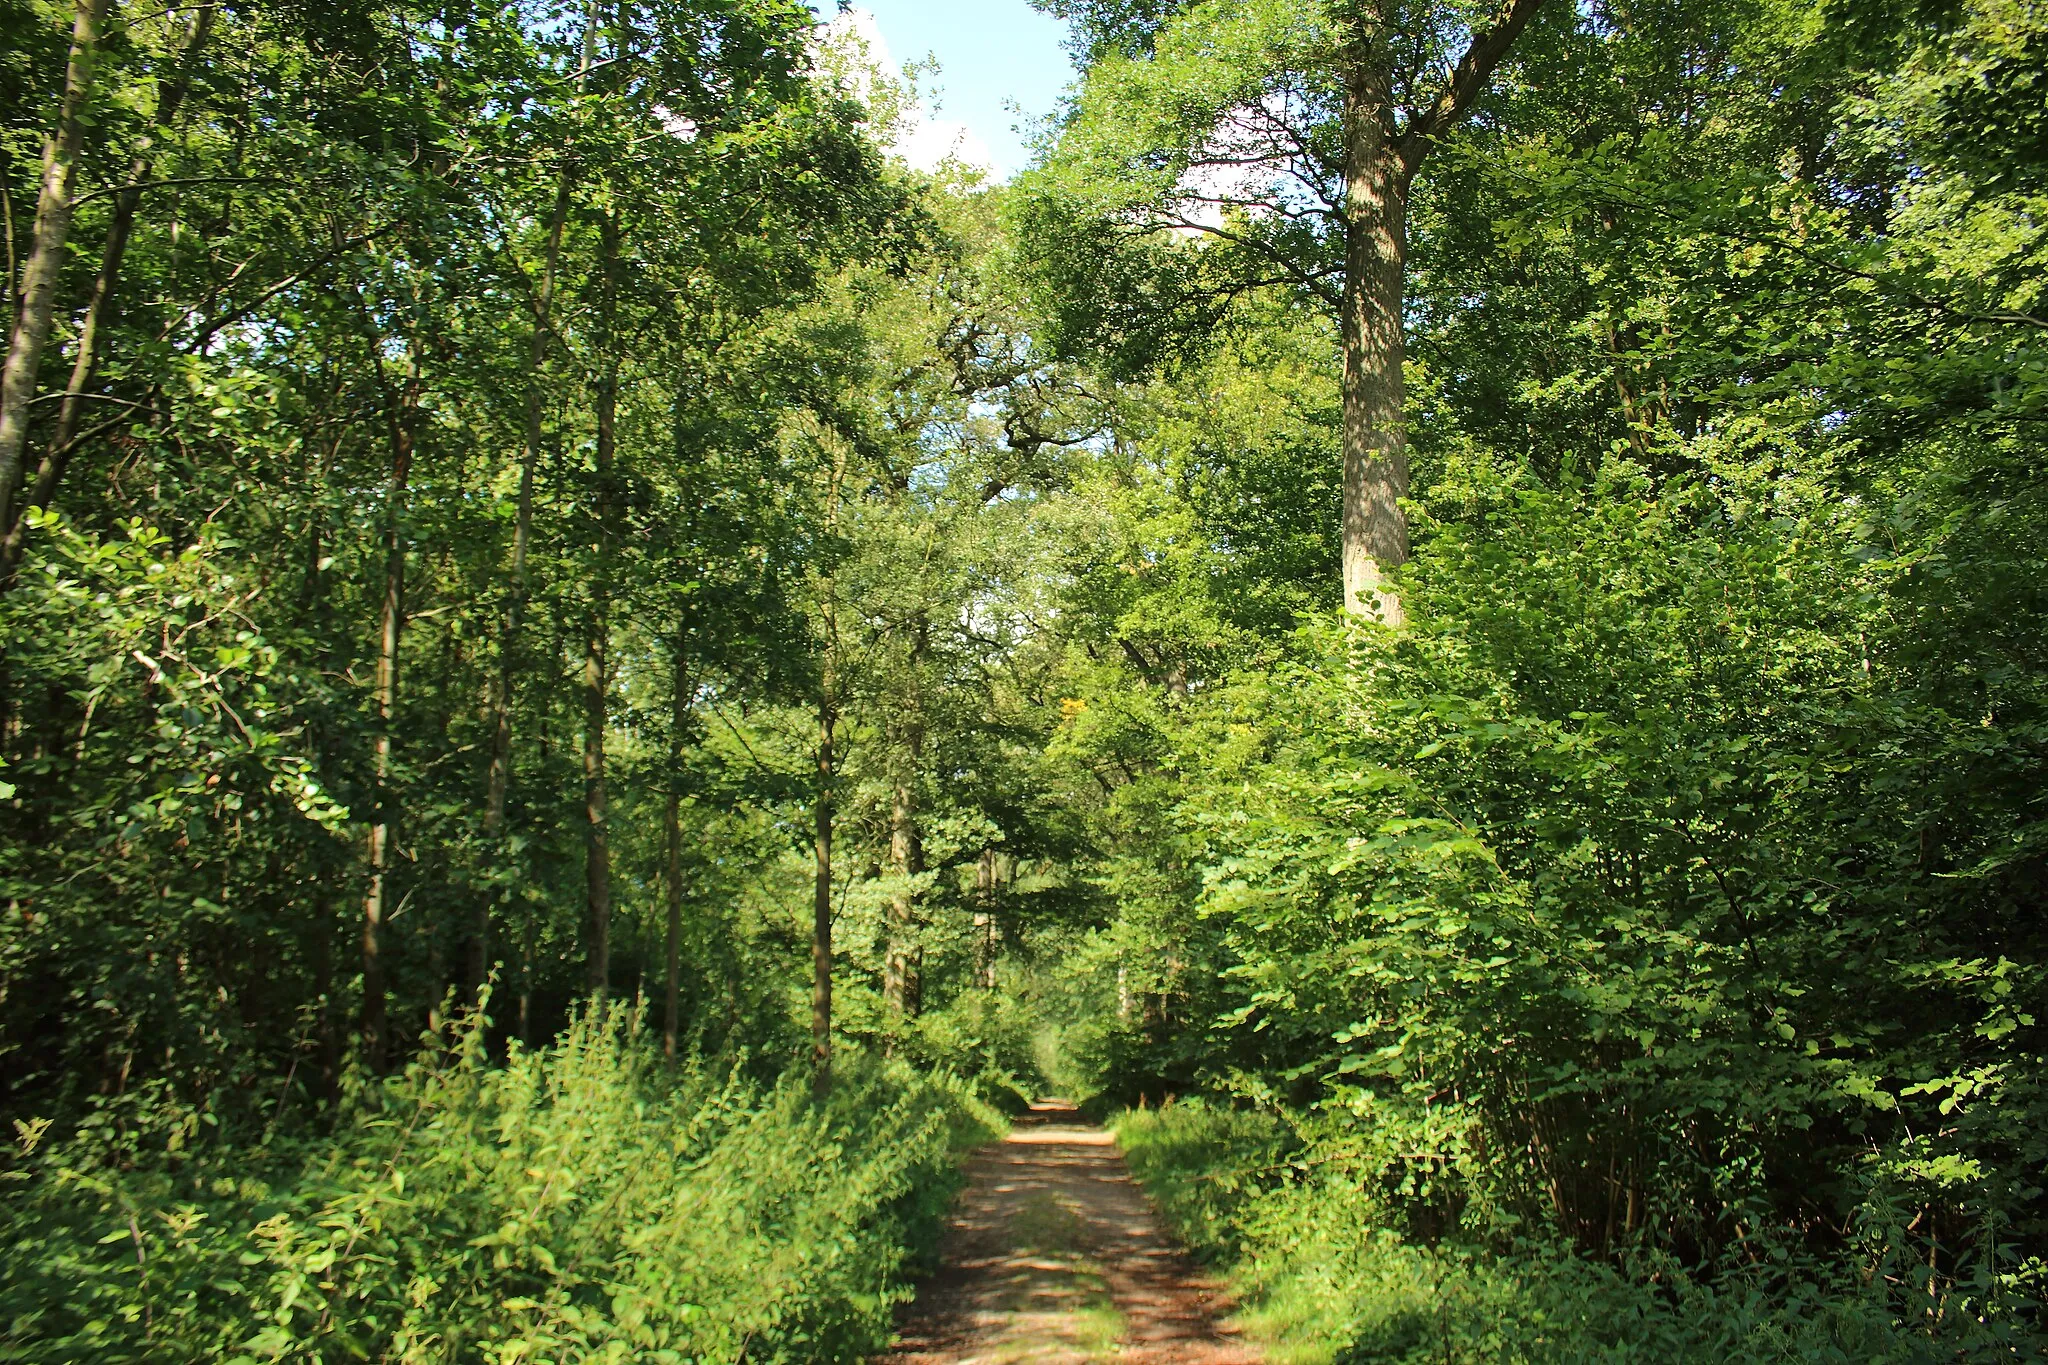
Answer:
(1053, 1257)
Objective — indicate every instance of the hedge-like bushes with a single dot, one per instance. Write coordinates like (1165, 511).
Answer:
(579, 1203)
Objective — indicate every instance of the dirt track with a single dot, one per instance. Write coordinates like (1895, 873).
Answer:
(1053, 1257)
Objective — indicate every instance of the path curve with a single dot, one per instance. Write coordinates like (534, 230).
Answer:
(1053, 1257)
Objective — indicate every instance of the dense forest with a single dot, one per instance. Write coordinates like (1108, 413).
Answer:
(1445, 604)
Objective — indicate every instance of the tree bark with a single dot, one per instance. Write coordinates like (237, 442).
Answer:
(1380, 162)
(398, 410)
(330, 1023)
(828, 720)
(902, 982)
(597, 861)
(672, 828)
(37, 311)
(597, 858)
(986, 930)
(57, 453)
(821, 901)
(1375, 347)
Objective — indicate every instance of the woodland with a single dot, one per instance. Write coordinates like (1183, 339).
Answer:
(1443, 607)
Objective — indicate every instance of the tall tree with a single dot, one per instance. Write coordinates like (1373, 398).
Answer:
(37, 300)
(511, 633)
(400, 403)
(672, 850)
(829, 704)
(597, 638)
(903, 975)
(65, 437)
(1284, 137)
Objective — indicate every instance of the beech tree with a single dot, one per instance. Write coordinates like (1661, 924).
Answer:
(1220, 149)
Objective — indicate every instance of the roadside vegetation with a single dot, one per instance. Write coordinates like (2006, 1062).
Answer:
(580, 1202)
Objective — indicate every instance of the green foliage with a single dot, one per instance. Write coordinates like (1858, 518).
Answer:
(310, 392)
(1641, 952)
(1619, 902)
(1301, 1216)
(578, 1202)
(1649, 933)
(186, 752)
(984, 1038)
(1203, 1164)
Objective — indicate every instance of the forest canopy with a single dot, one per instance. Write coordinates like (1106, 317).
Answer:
(1443, 604)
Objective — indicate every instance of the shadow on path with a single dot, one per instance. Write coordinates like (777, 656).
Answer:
(1053, 1257)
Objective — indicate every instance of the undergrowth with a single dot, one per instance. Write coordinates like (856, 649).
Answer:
(1329, 1277)
(578, 1203)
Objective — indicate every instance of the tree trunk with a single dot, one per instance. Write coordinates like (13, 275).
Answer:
(828, 719)
(332, 1024)
(985, 920)
(597, 858)
(821, 902)
(672, 827)
(902, 982)
(1380, 163)
(37, 313)
(524, 1029)
(399, 429)
(499, 784)
(57, 454)
(902, 988)
(1375, 348)
(597, 861)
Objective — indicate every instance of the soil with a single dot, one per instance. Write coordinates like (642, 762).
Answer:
(1053, 1257)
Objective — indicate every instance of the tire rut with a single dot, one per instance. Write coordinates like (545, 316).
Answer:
(1052, 1256)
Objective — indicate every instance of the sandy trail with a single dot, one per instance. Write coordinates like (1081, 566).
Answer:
(1053, 1257)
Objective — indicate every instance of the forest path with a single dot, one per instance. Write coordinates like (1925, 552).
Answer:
(1053, 1257)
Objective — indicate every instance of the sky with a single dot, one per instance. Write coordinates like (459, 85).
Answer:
(991, 54)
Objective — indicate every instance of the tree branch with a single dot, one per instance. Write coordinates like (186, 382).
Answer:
(140, 186)
(1467, 81)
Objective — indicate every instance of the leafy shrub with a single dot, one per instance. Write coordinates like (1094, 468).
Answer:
(1651, 894)
(1202, 1163)
(984, 1038)
(1306, 1227)
(576, 1203)
(172, 794)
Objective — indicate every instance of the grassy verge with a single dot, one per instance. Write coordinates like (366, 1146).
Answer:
(1326, 1281)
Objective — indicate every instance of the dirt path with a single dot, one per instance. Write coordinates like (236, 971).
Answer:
(1053, 1257)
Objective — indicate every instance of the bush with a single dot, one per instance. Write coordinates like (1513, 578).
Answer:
(577, 1203)
(984, 1038)
(1308, 1234)
(1202, 1163)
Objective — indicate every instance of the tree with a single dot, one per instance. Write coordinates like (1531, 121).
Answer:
(36, 309)
(1287, 136)
(315, 409)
